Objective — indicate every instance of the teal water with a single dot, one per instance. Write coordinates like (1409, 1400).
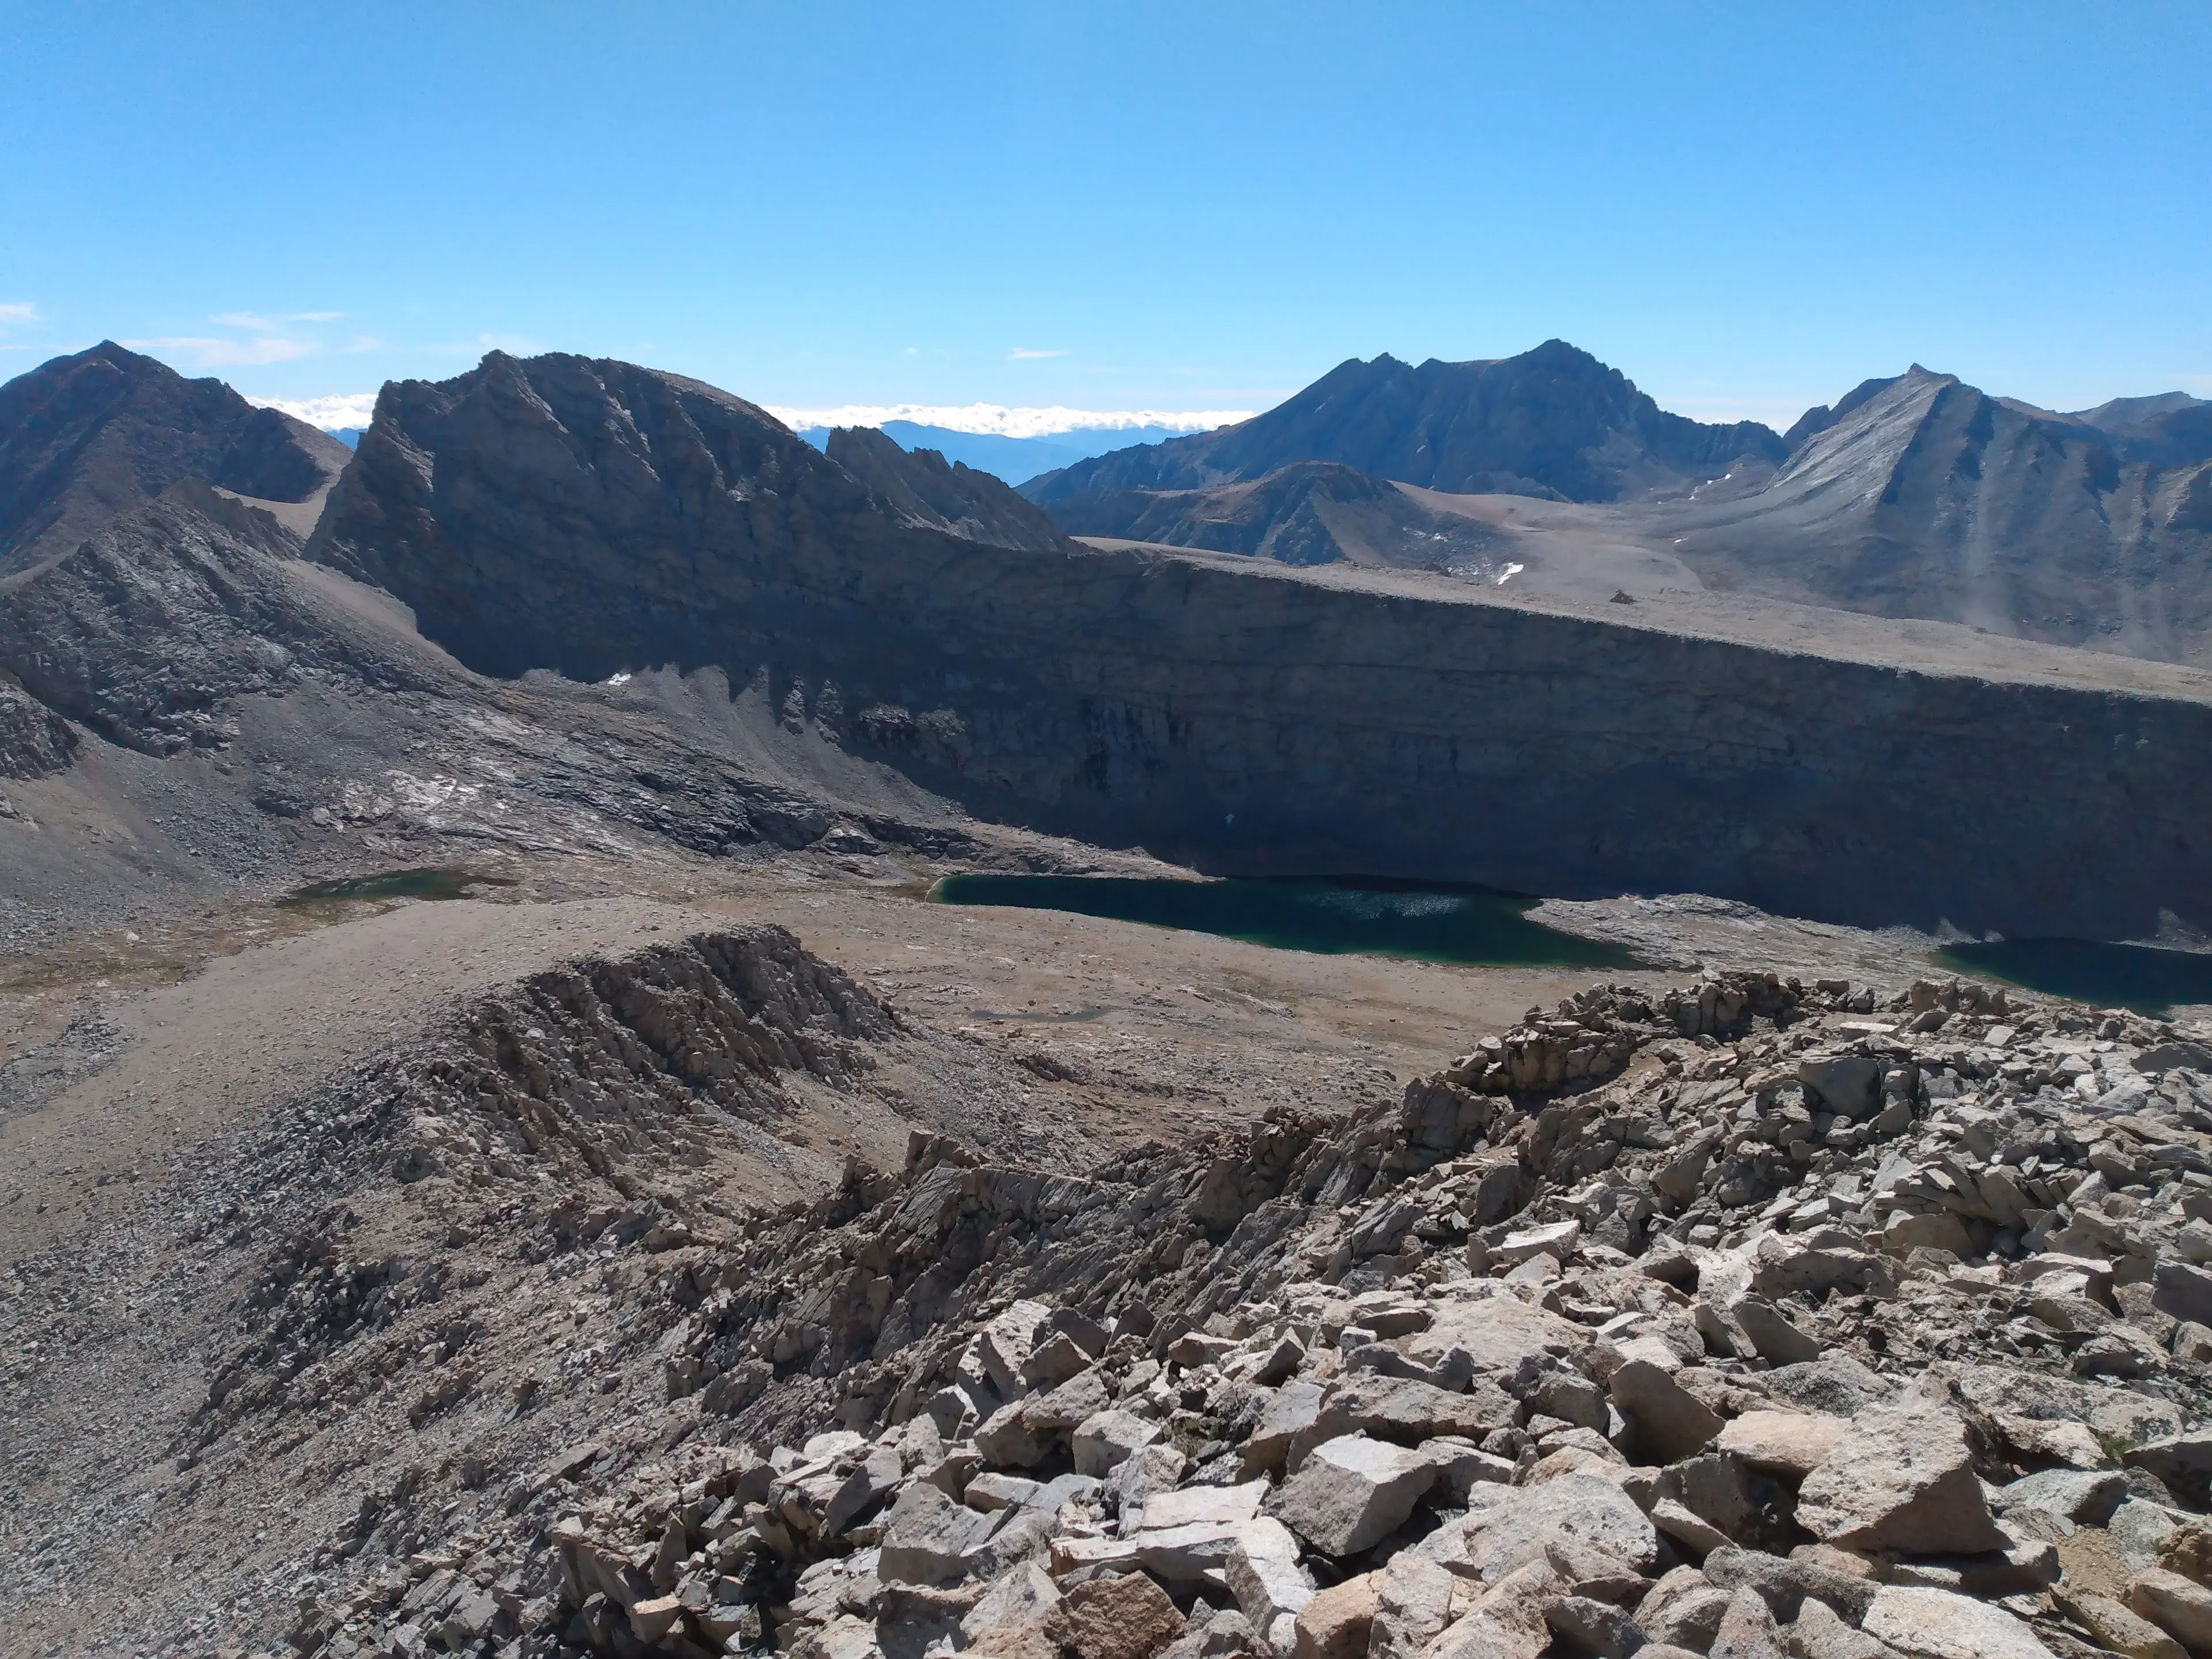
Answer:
(2137, 976)
(438, 882)
(1470, 925)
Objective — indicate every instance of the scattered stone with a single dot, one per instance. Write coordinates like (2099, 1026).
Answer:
(1900, 1477)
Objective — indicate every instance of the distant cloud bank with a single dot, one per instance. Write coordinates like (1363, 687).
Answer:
(339, 412)
(1000, 421)
(342, 410)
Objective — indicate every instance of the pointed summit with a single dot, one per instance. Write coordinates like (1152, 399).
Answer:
(87, 437)
(1553, 421)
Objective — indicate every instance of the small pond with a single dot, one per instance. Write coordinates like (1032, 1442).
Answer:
(2142, 977)
(1433, 923)
(436, 883)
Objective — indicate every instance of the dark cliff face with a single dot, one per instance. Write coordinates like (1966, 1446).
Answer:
(85, 438)
(591, 517)
(1555, 422)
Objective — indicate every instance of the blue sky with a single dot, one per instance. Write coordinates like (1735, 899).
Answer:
(1182, 206)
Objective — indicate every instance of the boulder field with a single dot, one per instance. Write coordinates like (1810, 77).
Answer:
(1751, 1318)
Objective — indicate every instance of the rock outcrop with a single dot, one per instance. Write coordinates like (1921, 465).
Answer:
(595, 518)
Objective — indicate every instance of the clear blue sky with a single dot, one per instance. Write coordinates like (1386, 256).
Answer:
(1746, 207)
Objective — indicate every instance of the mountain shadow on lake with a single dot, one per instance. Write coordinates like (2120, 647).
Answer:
(2140, 977)
(1470, 925)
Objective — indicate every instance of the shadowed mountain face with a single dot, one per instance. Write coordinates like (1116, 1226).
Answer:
(919, 487)
(2172, 429)
(591, 517)
(85, 438)
(1553, 423)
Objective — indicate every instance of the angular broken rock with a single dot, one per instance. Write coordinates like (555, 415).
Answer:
(1777, 1339)
(1264, 1576)
(1595, 1627)
(1932, 1624)
(1746, 1629)
(1007, 1442)
(1335, 1623)
(1557, 1240)
(1819, 1633)
(2115, 1629)
(1054, 1361)
(1409, 1411)
(1101, 1442)
(1019, 1597)
(1684, 1609)
(1782, 1443)
(1351, 1492)
(2179, 1606)
(1509, 1526)
(1835, 1383)
(2086, 1497)
(927, 1537)
(1414, 1599)
(1900, 1477)
(2184, 1291)
(1129, 1617)
(1669, 1421)
(1288, 1414)
(1787, 1585)
(1005, 1344)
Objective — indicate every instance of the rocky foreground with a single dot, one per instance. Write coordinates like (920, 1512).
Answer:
(1751, 1320)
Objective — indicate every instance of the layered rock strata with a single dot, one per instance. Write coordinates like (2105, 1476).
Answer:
(595, 518)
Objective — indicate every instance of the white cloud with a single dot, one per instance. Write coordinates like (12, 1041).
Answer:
(1002, 421)
(260, 324)
(205, 353)
(339, 409)
(21, 311)
(1023, 354)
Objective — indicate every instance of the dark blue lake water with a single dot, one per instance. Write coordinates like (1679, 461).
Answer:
(2150, 982)
(1470, 925)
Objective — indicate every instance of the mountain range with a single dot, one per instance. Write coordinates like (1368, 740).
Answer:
(1011, 458)
(430, 1277)
(1914, 496)
(770, 641)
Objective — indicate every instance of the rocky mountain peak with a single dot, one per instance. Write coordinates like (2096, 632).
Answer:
(1553, 423)
(86, 437)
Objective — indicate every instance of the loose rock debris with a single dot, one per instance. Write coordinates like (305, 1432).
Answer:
(1749, 1319)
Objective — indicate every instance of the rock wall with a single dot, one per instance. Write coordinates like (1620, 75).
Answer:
(593, 518)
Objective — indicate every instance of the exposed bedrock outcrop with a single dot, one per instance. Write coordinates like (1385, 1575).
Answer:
(593, 517)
